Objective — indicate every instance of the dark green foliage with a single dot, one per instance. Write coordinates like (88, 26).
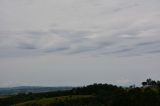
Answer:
(150, 82)
(91, 95)
(62, 101)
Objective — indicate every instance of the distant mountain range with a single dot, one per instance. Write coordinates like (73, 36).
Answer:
(30, 89)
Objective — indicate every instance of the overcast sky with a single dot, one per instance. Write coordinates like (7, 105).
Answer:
(79, 42)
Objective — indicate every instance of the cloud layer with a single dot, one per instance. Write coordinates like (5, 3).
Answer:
(98, 27)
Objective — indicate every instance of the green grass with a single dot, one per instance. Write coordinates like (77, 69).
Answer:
(3, 97)
(55, 100)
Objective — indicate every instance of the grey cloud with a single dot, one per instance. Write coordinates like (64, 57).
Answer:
(154, 52)
(70, 33)
(124, 50)
(59, 49)
(133, 49)
(73, 38)
(26, 46)
(94, 26)
(145, 48)
(118, 51)
(77, 43)
(36, 33)
(92, 47)
(148, 43)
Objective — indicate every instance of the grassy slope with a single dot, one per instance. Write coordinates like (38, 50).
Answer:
(3, 97)
(104, 95)
(55, 100)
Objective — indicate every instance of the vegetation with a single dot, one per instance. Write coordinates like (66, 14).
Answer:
(60, 101)
(91, 95)
(150, 82)
(27, 89)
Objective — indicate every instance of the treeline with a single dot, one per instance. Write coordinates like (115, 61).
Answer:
(150, 82)
(95, 89)
(91, 95)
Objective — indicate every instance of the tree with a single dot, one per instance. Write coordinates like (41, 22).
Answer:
(153, 83)
(144, 83)
(149, 81)
(158, 83)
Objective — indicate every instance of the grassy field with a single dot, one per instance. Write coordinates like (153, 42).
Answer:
(3, 97)
(56, 100)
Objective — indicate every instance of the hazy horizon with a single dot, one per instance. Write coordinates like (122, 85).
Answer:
(79, 42)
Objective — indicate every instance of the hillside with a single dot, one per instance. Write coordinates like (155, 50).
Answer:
(28, 89)
(91, 95)
(59, 101)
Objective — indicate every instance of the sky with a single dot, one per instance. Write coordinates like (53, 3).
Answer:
(79, 42)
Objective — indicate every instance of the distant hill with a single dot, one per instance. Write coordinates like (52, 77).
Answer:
(30, 89)
(91, 95)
